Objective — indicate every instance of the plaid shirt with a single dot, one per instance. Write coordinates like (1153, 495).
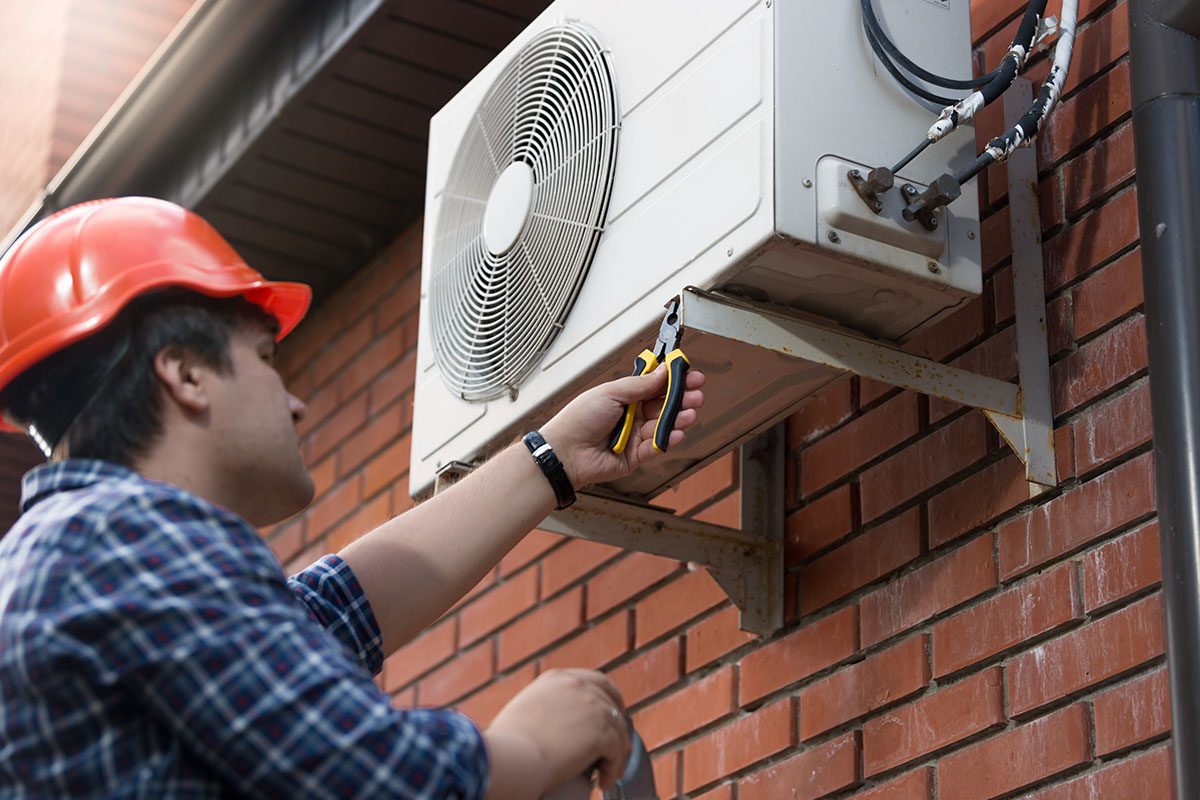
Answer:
(151, 647)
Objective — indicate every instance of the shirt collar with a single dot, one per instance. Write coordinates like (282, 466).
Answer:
(72, 473)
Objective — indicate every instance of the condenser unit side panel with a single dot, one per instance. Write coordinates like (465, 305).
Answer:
(838, 108)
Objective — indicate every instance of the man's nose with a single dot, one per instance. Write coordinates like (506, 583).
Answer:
(297, 407)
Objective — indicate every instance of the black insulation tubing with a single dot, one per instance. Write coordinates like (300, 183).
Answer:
(900, 77)
(871, 24)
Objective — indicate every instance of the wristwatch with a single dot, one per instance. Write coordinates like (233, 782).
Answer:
(552, 468)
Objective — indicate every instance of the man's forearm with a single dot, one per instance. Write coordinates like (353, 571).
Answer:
(417, 565)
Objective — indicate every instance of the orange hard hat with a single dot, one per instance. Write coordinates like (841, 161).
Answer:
(71, 274)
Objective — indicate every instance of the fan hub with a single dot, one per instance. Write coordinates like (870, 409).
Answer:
(508, 208)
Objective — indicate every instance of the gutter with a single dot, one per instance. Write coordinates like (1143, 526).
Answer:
(187, 76)
(1165, 56)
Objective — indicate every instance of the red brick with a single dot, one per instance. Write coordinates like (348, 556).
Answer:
(950, 335)
(976, 501)
(346, 346)
(720, 793)
(996, 357)
(1113, 428)
(860, 441)
(571, 562)
(367, 518)
(541, 627)
(924, 726)
(1079, 118)
(939, 586)
(404, 299)
(716, 479)
(395, 383)
(1108, 294)
(798, 655)
(1094, 653)
(287, 540)
(484, 705)
(817, 772)
(383, 470)
(1102, 363)
(714, 637)
(468, 671)
(1146, 776)
(821, 413)
(861, 561)
(1094, 239)
(335, 430)
(666, 773)
(626, 578)
(530, 549)
(324, 475)
(1133, 713)
(739, 744)
(988, 15)
(1064, 452)
(727, 511)
(649, 672)
(1036, 607)
(1099, 45)
(1121, 567)
(922, 466)
(596, 647)
(1100, 169)
(500, 605)
(995, 237)
(335, 505)
(378, 359)
(1077, 517)
(1017, 758)
(819, 524)
(880, 680)
(432, 647)
(695, 706)
(915, 785)
(675, 604)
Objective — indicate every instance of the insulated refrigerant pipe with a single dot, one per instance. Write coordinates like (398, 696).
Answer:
(1165, 56)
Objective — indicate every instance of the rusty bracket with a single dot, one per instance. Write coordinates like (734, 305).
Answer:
(747, 562)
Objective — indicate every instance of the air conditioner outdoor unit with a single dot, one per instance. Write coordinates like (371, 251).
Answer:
(620, 150)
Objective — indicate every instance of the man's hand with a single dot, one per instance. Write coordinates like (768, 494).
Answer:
(559, 727)
(579, 433)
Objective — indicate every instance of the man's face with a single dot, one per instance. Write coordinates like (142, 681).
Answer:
(255, 420)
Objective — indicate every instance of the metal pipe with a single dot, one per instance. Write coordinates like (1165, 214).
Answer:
(1165, 67)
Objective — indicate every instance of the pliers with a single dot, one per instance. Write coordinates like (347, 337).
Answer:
(666, 350)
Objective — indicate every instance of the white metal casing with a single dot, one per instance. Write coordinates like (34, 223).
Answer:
(739, 122)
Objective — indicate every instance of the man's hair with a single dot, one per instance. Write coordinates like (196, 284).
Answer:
(124, 415)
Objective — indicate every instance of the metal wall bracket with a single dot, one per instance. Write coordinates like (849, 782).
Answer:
(748, 562)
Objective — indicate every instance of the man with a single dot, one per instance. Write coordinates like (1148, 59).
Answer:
(150, 646)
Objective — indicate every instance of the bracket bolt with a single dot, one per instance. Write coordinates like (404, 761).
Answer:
(833, 237)
(933, 267)
(971, 235)
(807, 183)
(729, 252)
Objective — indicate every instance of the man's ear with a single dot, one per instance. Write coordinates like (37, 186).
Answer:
(184, 378)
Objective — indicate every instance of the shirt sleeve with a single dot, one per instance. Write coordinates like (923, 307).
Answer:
(203, 632)
(334, 598)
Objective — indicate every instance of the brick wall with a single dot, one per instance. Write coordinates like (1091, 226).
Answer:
(947, 637)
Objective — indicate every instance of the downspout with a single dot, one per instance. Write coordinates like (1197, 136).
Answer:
(1165, 55)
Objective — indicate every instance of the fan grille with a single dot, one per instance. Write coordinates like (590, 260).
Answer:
(494, 314)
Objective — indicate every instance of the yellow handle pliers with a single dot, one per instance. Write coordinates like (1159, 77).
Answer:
(666, 350)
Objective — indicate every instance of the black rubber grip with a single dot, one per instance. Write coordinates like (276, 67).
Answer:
(677, 367)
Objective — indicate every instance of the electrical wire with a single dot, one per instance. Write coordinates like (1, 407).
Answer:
(1023, 133)
(874, 29)
(899, 76)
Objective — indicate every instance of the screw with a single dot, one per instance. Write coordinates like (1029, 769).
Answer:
(807, 183)
(833, 237)
(729, 252)
(909, 190)
(933, 267)
(855, 173)
(971, 235)
(933, 223)
(768, 3)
